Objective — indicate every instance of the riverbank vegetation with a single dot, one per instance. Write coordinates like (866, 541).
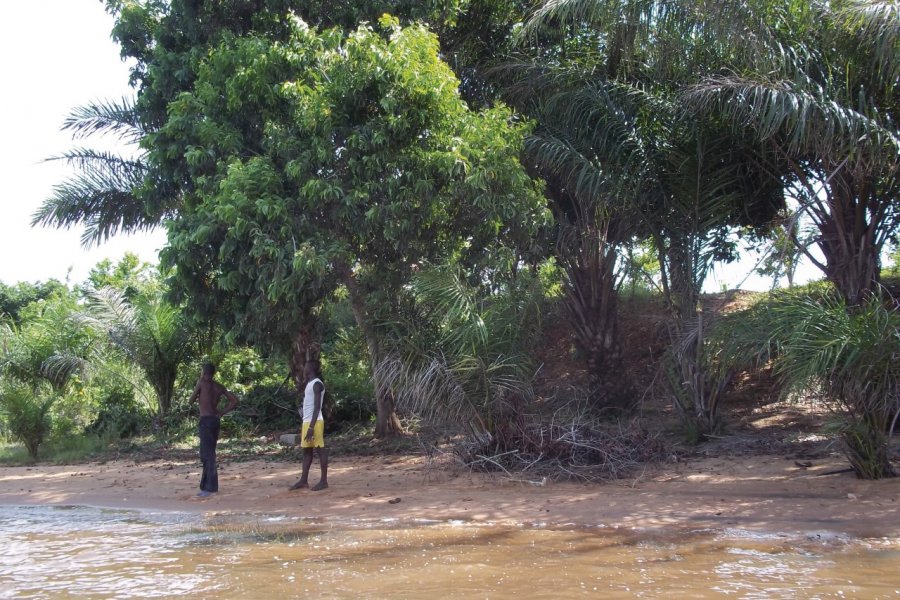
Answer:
(492, 222)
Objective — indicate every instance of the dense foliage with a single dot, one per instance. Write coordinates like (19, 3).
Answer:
(349, 181)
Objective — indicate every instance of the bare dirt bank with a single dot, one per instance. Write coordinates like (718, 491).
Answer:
(757, 493)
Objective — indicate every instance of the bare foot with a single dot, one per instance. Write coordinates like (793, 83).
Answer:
(320, 486)
(299, 485)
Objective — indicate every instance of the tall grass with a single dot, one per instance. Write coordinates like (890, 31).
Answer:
(64, 450)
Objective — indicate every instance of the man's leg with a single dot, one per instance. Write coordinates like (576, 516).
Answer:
(323, 462)
(304, 473)
(208, 434)
(201, 430)
(212, 483)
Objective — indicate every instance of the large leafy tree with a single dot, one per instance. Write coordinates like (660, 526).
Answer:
(331, 161)
(170, 42)
(122, 192)
(14, 298)
(166, 39)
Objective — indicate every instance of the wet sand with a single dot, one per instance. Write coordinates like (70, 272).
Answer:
(753, 493)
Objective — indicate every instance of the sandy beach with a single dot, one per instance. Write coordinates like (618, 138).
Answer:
(753, 493)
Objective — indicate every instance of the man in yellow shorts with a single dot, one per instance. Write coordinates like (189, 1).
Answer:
(312, 432)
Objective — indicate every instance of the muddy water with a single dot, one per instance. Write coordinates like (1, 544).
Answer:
(48, 552)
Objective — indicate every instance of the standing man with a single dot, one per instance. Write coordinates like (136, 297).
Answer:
(209, 391)
(312, 432)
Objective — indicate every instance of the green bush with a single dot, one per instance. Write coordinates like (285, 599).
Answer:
(119, 415)
(13, 454)
(27, 416)
(350, 396)
(264, 408)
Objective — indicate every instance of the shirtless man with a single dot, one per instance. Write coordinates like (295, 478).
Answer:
(209, 391)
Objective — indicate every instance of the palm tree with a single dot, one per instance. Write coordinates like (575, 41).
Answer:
(819, 347)
(110, 193)
(38, 360)
(48, 348)
(464, 358)
(820, 89)
(615, 134)
(150, 332)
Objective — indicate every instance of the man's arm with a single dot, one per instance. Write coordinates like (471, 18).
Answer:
(317, 407)
(196, 393)
(232, 401)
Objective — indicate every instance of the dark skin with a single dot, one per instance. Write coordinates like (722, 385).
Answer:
(209, 392)
(309, 373)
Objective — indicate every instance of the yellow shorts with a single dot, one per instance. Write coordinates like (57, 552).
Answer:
(318, 440)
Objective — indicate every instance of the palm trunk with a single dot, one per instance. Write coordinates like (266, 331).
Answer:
(851, 221)
(164, 386)
(848, 243)
(592, 303)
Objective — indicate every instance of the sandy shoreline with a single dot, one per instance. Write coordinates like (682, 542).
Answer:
(755, 493)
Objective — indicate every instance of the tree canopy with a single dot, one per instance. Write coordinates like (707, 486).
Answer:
(327, 160)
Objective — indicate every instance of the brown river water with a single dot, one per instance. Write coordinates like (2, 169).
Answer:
(83, 552)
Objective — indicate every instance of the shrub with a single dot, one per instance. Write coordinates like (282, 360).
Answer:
(847, 355)
(119, 415)
(264, 408)
(27, 416)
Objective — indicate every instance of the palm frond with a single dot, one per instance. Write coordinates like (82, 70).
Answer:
(807, 119)
(592, 137)
(62, 366)
(101, 197)
(119, 118)
(877, 26)
(444, 289)
(109, 308)
(100, 163)
(606, 14)
(587, 180)
(473, 359)
(815, 343)
(428, 389)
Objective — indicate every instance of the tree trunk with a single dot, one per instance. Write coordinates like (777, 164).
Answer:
(849, 245)
(851, 220)
(696, 391)
(592, 304)
(164, 386)
(387, 423)
(305, 348)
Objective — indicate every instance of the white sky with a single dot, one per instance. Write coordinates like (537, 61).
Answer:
(54, 55)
